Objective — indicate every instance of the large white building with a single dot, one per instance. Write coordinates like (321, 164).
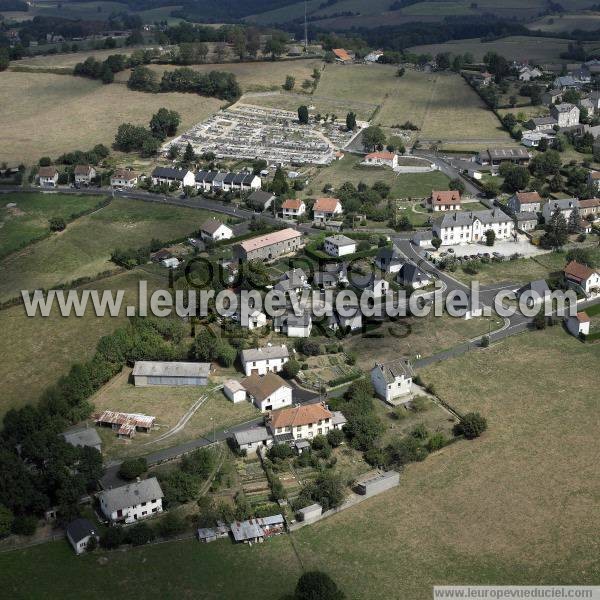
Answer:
(393, 380)
(269, 359)
(132, 502)
(566, 115)
(339, 245)
(465, 227)
(302, 422)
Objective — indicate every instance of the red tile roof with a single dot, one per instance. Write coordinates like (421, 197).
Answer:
(325, 204)
(297, 416)
(47, 171)
(269, 239)
(342, 54)
(292, 204)
(583, 317)
(579, 272)
(589, 203)
(445, 197)
(381, 155)
(528, 197)
(124, 174)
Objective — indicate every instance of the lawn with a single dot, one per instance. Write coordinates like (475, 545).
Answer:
(28, 220)
(84, 248)
(78, 113)
(168, 405)
(518, 506)
(252, 76)
(35, 352)
(405, 185)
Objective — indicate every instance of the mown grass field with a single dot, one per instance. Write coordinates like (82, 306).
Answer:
(29, 219)
(84, 248)
(518, 506)
(36, 351)
(168, 405)
(585, 21)
(45, 114)
(405, 185)
(252, 77)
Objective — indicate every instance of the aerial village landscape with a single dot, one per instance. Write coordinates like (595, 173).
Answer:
(438, 156)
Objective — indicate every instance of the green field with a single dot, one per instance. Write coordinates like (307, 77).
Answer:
(586, 21)
(78, 113)
(28, 220)
(405, 185)
(35, 352)
(518, 506)
(84, 248)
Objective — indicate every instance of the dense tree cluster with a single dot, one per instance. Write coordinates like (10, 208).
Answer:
(218, 84)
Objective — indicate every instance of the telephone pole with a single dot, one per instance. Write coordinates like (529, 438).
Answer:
(305, 25)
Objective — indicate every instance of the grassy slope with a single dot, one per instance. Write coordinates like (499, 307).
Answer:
(78, 113)
(84, 248)
(518, 506)
(29, 219)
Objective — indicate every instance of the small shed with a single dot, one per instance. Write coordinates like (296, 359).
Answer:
(234, 390)
(378, 484)
(301, 446)
(207, 535)
(79, 532)
(310, 513)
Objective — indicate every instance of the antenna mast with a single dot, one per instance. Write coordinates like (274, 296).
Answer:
(305, 25)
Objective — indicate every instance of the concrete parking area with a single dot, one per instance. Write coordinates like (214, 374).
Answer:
(506, 248)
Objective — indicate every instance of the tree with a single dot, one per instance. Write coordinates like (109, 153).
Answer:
(290, 82)
(133, 467)
(335, 437)
(556, 231)
(189, 156)
(490, 237)
(472, 425)
(280, 452)
(581, 255)
(201, 463)
(6, 521)
(171, 524)
(351, 121)
(436, 242)
(291, 369)
(45, 161)
(57, 224)
(150, 146)
(112, 538)
(316, 585)
(545, 163)
(515, 178)
(327, 490)
(491, 188)
(279, 185)
(4, 59)
(143, 80)
(509, 121)
(164, 123)
(275, 47)
(458, 185)
(303, 114)
(140, 534)
(574, 224)
(373, 137)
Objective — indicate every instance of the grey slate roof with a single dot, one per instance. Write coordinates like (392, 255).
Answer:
(201, 176)
(132, 494)
(267, 352)
(169, 173)
(79, 529)
(525, 216)
(152, 368)
(390, 255)
(397, 368)
(495, 215)
(340, 240)
(563, 203)
(539, 286)
(543, 121)
(210, 226)
(83, 437)
(251, 436)
(466, 218)
(410, 274)
(259, 198)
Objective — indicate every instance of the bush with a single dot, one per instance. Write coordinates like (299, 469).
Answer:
(419, 404)
(436, 442)
(335, 437)
(133, 467)
(419, 432)
(291, 369)
(24, 525)
(280, 452)
(140, 534)
(171, 524)
(112, 538)
(319, 442)
(472, 425)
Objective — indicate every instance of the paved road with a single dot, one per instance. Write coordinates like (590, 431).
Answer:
(445, 167)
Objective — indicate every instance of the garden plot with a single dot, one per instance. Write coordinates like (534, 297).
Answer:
(245, 131)
(322, 370)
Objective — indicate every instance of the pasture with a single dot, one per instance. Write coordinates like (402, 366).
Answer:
(78, 113)
(517, 506)
(29, 218)
(36, 351)
(585, 21)
(84, 248)
(405, 185)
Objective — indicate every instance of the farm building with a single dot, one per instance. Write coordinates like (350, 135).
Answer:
(270, 246)
(380, 483)
(310, 513)
(126, 424)
(132, 502)
(256, 530)
(148, 372)
(260, 200)
(250, 439)
(496, 156)
(268, 392)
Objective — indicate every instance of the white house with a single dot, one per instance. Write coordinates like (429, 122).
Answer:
(168, 175)
(214, 230)
(84, 174)
(252, 438)
(579, 324)
(268, 392)
(389, 259)
(325, 209)
(301, 422)
(293, 208)
(444, 200)
(132, 502)
(382, 159)
(292, 325)
(564, 205)
(411, 276)
(566, 115)
(465, 227)
(255, 319)
(79, 533)
(48, 176)
(582, 277)
(123, 178)
(234, 390)
(339, 245)
(525, 202)
(393, 380)
(269, 359)
(527, 73)
(375, 284)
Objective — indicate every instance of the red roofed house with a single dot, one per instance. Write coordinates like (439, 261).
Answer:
(594, 179)
(591, 206)
(293, 208)
(326, 208)
(342, 55)
(582, 277)
(525, 202)
(48, 176)
(123, 178)
(270, 246)
(382, 159)
(579, 324)
(303, 421)
(84, 174)
(444, 200)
